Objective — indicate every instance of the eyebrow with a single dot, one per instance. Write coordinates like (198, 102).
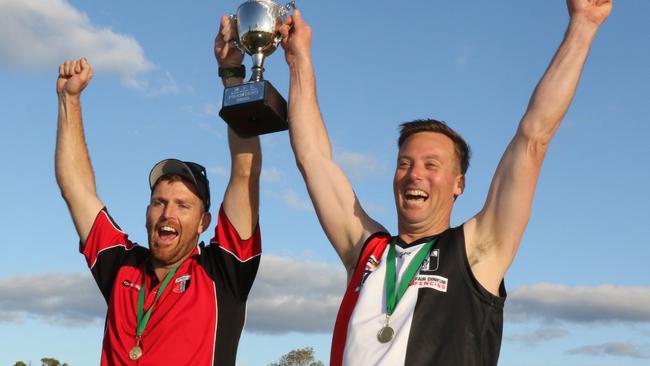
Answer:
(426, 157)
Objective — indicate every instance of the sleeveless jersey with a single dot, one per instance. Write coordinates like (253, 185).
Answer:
(444, 318)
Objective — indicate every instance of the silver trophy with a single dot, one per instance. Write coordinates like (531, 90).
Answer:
(256, 107)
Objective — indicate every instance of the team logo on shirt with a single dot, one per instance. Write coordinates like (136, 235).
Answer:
(426, 276)
(431, 262)
(371, 266)
(181, 284)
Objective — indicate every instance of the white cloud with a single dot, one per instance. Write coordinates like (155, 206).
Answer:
(41, 34)
(166, 85)
(288, 296)
(357, 165)
(621, 349)
(291, 199)
(374, 209)
(211, 110)
(222, 172)
(542, 334)
(212, 128)
(271, 175)
(64, 299)
(292, 296)
(303, 296)
(580, 304)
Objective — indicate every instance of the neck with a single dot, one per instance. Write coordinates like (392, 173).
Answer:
(162, 269)
(410, 233)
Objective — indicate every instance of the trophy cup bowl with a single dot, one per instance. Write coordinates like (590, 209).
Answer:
(256, 107)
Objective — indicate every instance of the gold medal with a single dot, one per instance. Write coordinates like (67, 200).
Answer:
(136, 352)
(385, 334)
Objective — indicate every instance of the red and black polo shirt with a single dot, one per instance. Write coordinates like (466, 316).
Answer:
(198, 319)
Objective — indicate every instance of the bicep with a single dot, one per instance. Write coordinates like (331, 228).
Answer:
(241, 204)
(83, 210)
(501, 223)
(339, 211)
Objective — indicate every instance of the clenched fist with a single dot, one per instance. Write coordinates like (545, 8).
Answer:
(74, 75)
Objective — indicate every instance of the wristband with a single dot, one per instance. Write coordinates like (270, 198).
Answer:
(229, 72)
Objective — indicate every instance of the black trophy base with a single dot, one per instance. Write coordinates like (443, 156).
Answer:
(254, 108)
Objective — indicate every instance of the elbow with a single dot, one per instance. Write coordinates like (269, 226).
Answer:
(535, 142)
(539, 126)
(307, 161)
(539, 129)
(249, 173)
(246, 166)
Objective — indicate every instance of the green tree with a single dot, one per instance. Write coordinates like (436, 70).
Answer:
(47, 361)
(298, 357)
(20, 363)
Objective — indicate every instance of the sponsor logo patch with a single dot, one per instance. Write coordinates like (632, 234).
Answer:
(437, 283)
(129, 284)
(181, 284)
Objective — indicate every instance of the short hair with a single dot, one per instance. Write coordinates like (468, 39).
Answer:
(461, 147)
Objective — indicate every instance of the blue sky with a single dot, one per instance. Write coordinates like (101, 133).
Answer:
(579, 290)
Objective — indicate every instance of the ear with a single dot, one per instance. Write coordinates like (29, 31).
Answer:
(146, 217)
(460, 186)
(205, 222)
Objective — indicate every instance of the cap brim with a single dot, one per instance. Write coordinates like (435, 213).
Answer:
(170, 166)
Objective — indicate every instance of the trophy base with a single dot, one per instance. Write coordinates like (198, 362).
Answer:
(254, 108)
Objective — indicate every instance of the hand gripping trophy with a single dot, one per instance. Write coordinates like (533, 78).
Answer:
(256, 107)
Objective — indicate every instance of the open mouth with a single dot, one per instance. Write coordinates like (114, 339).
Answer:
(167, 232)
(415, 195)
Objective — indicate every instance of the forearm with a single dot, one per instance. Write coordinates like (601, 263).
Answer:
(246, 156)
(555, 91)
(309, 138)
(241, 200)
(73, 170)
(72, 163)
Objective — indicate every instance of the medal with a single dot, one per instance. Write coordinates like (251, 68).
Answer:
(393, 295)
(385, 334)
(135, 353)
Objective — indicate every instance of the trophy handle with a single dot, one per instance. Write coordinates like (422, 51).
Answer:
(237, 43)
(284, 10)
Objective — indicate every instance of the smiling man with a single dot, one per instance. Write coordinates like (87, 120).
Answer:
(176, 302)
(432, 294)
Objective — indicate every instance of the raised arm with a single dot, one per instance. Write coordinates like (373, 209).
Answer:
(345, 223)
(241, 200)
(493, 236)
(74, 174)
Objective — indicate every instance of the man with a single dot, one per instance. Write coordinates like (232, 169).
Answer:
(174, 303)
(432, 295)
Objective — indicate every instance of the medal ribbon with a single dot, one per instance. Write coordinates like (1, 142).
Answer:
(392, 298)
(143, 319)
